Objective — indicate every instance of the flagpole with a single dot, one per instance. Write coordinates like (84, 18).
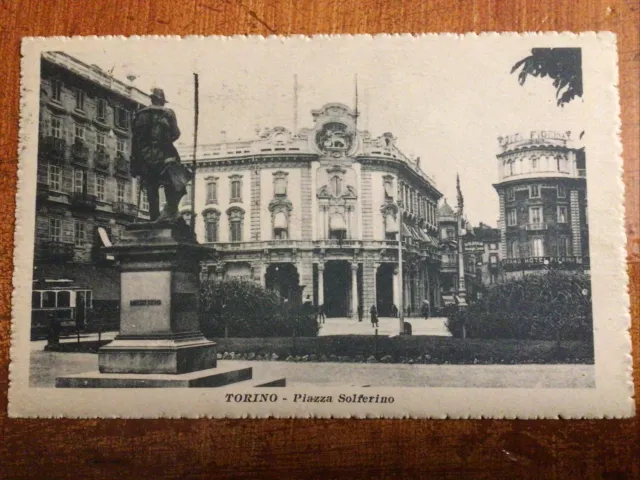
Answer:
(195, 147)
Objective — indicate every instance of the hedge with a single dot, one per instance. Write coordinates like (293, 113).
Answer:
(552, 306)
(419, 349)
(241, 308)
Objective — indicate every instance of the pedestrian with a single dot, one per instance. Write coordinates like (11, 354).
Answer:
(408, 310)
(360, 312)
(394, 311)
(425, 309)
(374, 316)
(321, 314)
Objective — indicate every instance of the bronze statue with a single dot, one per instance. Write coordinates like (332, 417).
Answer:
(155, 159)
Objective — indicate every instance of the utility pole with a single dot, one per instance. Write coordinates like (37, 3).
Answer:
(195, 148)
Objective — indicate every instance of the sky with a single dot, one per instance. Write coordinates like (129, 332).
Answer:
(445, 99)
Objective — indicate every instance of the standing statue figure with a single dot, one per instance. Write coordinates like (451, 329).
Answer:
(155, 159)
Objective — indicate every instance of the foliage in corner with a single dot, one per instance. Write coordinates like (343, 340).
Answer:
(562, 65)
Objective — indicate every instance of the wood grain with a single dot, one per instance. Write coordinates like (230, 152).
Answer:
(309, 448)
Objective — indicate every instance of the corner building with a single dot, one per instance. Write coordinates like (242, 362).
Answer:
(83, 180)
(542, 192)
(316, 213)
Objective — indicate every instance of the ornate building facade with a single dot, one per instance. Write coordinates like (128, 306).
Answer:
(315, 213)
(83, 181)
(542, 192)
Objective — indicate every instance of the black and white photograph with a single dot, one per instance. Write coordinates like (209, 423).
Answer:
(347, 226)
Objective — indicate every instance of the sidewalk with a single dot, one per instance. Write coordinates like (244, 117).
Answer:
(388, 326)
(84, 337)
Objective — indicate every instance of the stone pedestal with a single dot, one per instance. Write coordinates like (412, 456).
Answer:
(160, 343)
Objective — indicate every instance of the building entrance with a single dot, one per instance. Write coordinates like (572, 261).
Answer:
(384, 289)
(283, 278)
(337, 288)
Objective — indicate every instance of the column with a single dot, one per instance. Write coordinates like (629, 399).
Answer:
(369, 270)
(354, 290)
(430, 298)
(576, 241)
(320, 283)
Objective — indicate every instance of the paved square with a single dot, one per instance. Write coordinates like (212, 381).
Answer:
(388, 326)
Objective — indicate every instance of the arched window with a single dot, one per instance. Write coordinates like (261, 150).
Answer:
(236, 223)
(236, 188)
(211, 226)
(280, 226)
(534, 163)
(336, 185)
(337, 227)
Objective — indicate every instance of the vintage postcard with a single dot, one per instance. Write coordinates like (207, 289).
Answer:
(346, 226)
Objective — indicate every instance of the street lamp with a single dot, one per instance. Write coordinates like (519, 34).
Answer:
(400, 272)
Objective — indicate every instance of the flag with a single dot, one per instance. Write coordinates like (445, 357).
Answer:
(460, 197)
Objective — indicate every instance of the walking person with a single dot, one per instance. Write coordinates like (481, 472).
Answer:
(374, 316)
(321, 314)
(425, 309)
(360, 312)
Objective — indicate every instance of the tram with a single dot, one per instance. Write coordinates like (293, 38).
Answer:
(62, 301)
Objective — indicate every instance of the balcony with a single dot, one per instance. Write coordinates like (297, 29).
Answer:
(84, 201)
(102, 160)
(122, 164)
(80, 154)
(125, 208)
(53, 251)
(449, 266)
(539, 263)
(52, 149)
(537, 226)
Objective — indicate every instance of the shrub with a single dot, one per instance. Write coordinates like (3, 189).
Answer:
(552, 306)
(241, 308)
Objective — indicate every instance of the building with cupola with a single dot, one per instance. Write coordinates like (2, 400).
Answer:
(542, 192)
(316, 214)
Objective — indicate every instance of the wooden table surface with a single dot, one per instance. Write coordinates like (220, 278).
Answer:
(308, 448)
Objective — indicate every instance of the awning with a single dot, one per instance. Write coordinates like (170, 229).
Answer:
(390, 224)
(280, 221)
(336, 222)
(405, 231)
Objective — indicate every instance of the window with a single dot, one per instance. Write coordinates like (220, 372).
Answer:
(56, 90)
(48, 299)
(55, 178)
(512, 217)
(79, 234)
(79, 180)
(101, 192)
(493, 259)
(100, 142)
(64, 299)
(564, 246)
(336, 185)
(537, 247)
(388, 187)
(55, 229)
(451, 233)
(121, 145)
(36, 299)
(511, 168)
(562, 191)
(280, 184)
(236, 188)
(236, 217)
(102, 109)
(535, 215)
(513, 249)
(534, 163)
(79, 134)
(280, 226)
(493, 246)
(534, 191)
(390, 236)
(56, 127)
(212, 190)
(120, 190)
(121, 119)
(211, 223)
(562, 214)
(144, 200)
(511, 194)
(79, 100)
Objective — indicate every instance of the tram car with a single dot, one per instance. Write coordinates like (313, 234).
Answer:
(62, 301)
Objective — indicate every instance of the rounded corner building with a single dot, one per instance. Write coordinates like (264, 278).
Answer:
(542, 191)
(314, 214)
